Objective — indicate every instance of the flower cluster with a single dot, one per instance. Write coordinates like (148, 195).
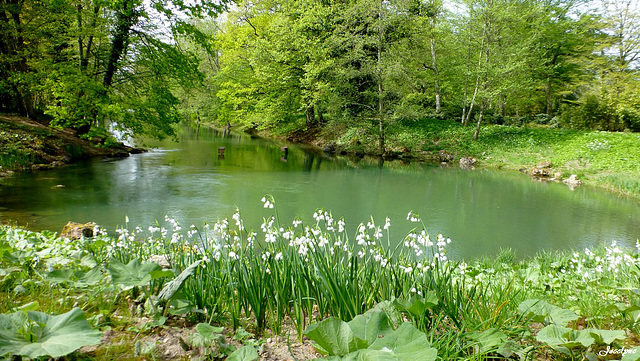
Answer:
(590, 266)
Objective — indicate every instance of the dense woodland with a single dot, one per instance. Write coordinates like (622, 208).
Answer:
(357, 64)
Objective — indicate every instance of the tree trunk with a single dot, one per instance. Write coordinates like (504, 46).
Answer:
(549, 98)
(15, 48)
(476, 133)
(380, 89)
(125, 19)
(437, 75)
(473, 100)
(310, 115)
(320, 116)
(464, 119)
(477, 86)
(85, 52)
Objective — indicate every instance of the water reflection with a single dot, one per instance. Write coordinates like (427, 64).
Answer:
(481, 211)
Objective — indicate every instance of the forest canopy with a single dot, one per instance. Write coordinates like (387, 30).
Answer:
(363, 64)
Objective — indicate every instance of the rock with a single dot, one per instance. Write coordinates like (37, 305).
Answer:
(445, 157)
(543, 165)
(467, 162)
(572, 181)
(74, 230)
(329, 148)
(540, 172)
(160, 260)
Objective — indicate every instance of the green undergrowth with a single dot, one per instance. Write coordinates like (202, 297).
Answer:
(347, 291)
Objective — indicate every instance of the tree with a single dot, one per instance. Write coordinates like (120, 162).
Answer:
(93, 63)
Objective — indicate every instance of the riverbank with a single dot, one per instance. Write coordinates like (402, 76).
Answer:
(604, 160)
(27, 144)
(167, 292)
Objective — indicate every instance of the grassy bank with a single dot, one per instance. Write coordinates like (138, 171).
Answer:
(601, 159)
(230, 291)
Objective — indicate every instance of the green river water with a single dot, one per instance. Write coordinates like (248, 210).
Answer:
(481, 211)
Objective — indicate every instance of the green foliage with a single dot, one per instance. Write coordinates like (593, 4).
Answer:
(370, 336)
(565, 340)
(133, 274)
(34, 334)
(207, 336)
(244, 353)
(335, 337)
(543, 312)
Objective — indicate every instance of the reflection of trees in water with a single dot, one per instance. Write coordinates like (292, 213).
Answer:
(309, 160)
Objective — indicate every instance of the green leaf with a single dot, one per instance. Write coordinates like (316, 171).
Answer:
(205, 335)
(335, 337)
(632, 354)
(132, 274)
(564, 339)
(417, 305)
(162, 273)
(31, 306)
(77, 278)
(90, 278)
(606, 337)
(246, 353)
(208, 331)
(370, 325)
(541, 311)
(406, 343)
(489, 340)
(170, 288)
(53, 336)
(59, 276)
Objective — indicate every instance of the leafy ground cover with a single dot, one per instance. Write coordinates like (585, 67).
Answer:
(226, 291)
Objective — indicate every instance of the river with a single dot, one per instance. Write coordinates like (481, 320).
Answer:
(481, 211)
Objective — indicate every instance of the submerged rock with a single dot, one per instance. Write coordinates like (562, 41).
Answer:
(74, 230)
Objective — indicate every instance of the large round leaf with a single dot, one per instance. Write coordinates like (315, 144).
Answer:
(36, 334)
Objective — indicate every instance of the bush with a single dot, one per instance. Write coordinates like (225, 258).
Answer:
(595, 112)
